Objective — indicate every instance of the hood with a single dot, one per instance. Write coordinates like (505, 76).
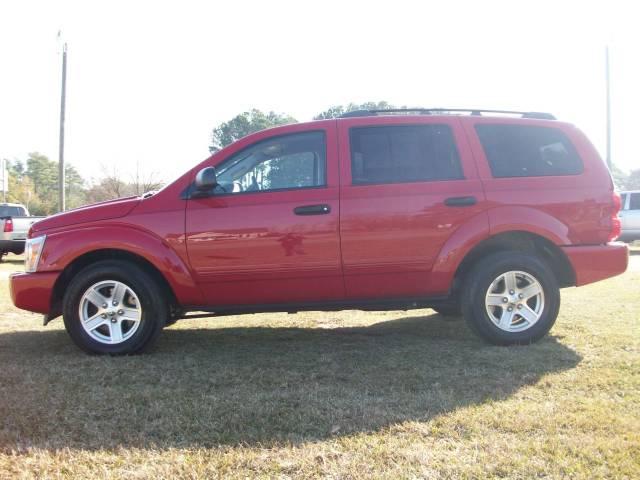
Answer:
(90, 213)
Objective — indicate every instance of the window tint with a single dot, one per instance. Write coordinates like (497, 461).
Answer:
(528, 151)
(290, 161)
(11, 211)
(623, 201)
(411, 153)
(634, 201)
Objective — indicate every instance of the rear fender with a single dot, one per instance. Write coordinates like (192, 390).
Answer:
(526, 219)
(455, 249)
(486, 225)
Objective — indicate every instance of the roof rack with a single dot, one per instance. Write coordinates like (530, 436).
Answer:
(432, 111)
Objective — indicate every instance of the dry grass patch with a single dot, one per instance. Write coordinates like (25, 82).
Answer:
(346, 395)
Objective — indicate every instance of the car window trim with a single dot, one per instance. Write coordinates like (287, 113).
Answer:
(400, 182)
(188, 193)
(490, 164)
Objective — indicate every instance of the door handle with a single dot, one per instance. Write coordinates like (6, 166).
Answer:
(460, 201)
(312, 210)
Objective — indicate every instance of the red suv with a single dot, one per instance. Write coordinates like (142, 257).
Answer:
(484, 216)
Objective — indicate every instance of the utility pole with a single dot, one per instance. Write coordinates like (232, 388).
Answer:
(608, 87)
(5, 180)
(61, 175)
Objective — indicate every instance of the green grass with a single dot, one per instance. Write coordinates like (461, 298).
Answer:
(340, 395)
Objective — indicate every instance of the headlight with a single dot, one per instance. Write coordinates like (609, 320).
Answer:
(32, 250)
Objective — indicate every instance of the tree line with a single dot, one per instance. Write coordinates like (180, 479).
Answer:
(34, 181)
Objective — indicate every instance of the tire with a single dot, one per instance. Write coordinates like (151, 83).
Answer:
(129, 326)
(486, 289)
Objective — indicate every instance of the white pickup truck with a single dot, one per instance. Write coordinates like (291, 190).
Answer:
(630, 216)
(15, 222)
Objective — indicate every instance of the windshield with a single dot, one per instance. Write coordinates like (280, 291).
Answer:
(11, 211)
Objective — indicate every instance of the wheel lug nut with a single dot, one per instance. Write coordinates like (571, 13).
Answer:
(104, 315)
(115, 303)
(511, 292)
(519, 306)
(113, 320)
(120, 312)
(505, 300)
(510, 309)
(104, 305)
(520, 295)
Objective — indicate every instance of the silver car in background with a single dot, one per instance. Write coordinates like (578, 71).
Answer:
(630, 215)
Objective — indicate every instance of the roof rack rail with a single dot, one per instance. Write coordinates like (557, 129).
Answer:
(432, 111)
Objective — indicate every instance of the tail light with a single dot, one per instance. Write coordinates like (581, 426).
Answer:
(8, 225)
(616, 227)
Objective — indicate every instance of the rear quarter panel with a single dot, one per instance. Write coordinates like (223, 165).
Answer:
(568, 210)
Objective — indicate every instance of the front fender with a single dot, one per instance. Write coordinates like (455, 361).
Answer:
(63, 247)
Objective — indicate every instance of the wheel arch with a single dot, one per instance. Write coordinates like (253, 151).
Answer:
(519, 241)
(93, 256)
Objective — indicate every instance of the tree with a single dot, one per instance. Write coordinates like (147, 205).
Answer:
(112, 186)
(633, 180)
(338, 110)
(624, 181)
(619, 177)
(244, 124)
(36, 186)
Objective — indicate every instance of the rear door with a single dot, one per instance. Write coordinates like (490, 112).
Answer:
(408, 183)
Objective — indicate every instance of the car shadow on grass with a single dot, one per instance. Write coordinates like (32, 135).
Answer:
(256, 386)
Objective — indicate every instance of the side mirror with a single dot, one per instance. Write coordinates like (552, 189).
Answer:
(206, 179)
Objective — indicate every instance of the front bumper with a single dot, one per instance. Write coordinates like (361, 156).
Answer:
(32, 291)
(592, 263)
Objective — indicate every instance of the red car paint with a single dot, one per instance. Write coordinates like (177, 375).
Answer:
(378, 242)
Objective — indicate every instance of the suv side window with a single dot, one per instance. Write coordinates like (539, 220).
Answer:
(528, 151)
(634, 201)
(290, 161)
(405, 153)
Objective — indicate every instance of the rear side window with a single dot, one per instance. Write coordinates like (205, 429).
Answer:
(623, 201)
(11, 211)
(528, 151)
(634, 201)
(406, 153)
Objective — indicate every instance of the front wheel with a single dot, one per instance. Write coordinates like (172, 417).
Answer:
(511, 298)
(114, 307)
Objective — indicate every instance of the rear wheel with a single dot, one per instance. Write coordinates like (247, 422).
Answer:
(511, 298)
(114, 307)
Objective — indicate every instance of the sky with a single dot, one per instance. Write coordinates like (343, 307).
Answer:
(148, 81)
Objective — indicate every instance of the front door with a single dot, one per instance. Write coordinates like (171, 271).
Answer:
(268, 233)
